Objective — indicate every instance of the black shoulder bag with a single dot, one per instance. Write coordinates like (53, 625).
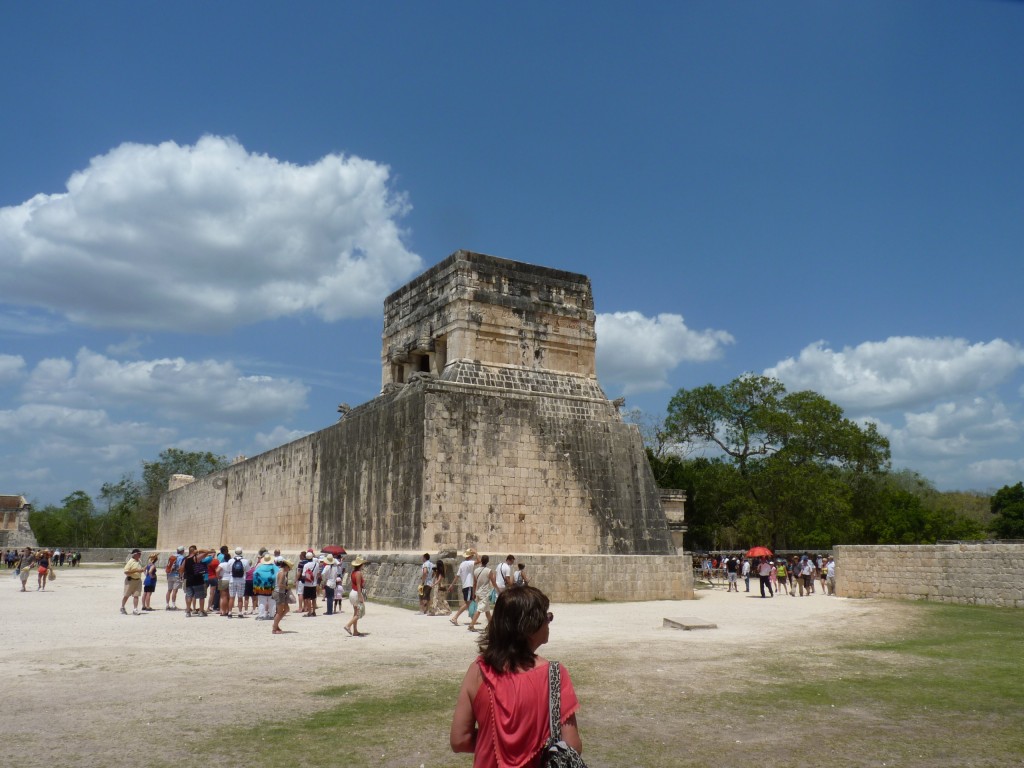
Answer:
(556, 753)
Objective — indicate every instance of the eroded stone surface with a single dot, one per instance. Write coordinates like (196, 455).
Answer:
(491, 432)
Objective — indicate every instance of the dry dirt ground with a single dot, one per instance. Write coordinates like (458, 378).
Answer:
(86, 686)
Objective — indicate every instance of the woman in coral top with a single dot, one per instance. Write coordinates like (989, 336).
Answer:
(501, 715)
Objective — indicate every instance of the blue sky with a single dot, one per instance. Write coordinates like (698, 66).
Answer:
(203, 206)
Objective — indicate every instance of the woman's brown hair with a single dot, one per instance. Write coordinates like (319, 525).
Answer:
(518, 614)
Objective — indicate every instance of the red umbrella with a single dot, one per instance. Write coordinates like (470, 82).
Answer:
(335, 550)
(759, 552)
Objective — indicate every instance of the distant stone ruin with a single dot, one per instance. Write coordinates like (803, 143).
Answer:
(15, 531)
(491, 431)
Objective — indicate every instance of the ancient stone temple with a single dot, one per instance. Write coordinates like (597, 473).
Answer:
(491, 431)
(15, 531)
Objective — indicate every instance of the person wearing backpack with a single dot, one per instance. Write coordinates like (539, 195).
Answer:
(173, 571)
(235, 568)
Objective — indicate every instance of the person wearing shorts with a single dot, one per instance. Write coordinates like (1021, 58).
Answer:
(732, 566)
(465, 578)
(310, 575)
(235, 584)
(25, 566)
(133, 570)
(426, 582)
(174, 579)
(194, 571)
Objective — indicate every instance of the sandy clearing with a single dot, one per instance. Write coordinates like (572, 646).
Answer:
(68, 651)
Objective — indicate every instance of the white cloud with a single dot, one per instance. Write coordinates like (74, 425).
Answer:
(129, 347)
(278, 436)
(995, 473)
(12, 367)
(204, 391)
(638, 352)
(48, 432)
(207, 237)
(900, 372)
(962, 428)
(23, 322)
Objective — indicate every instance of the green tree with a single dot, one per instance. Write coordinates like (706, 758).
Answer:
(1007, 505)
(70, 525)
(130, 506)
(794, 453)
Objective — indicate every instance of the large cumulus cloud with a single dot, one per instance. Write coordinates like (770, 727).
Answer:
(637, 352)
(207, 237)
(200, 391)
(899, 372)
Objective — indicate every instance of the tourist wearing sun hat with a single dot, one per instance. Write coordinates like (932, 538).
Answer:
(329, 578)
(309, 576)
(281, 593)
(263, 580)
(234, 570)
(356, 597)
(133, 581)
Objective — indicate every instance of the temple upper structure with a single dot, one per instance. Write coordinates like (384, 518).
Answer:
(490, 431)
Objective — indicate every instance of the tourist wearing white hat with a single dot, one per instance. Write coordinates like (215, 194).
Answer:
(356, 597)
(309, 576)
(234, 569)
(329, 578)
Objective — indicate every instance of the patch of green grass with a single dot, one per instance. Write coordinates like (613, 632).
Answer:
(368, 728)
(958, 658)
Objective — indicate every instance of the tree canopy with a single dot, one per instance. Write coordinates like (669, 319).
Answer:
(788, 469)
(132, 506)
(1008, 508)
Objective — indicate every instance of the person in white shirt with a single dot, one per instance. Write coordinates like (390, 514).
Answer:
(426, 582)
(464, 576)
(764, 573)
(806, 576)
(482, 592)
(830, 576)
(310, 574)
(234, 571)
(503, 576)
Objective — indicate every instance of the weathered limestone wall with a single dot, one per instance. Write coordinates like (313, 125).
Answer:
(356, 483)
(528, 472)
(436, 466)
(983, 574)
(491, 431)
(269, 498)
(563, 578)
(371, 475)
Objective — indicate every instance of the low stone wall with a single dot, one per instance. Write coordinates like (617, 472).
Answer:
(563, 578)
(982, 574)
(394, 577)
(101, 555)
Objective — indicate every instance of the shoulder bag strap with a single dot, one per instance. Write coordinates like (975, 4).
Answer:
(555, 701)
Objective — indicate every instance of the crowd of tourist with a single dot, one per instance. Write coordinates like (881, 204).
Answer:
(40, 563)
(479, 585)
(231, 585)
(792, 575)
(269, 586)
